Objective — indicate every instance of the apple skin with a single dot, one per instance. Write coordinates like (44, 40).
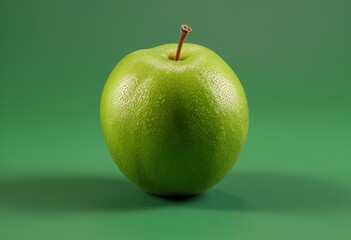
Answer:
(174, 127)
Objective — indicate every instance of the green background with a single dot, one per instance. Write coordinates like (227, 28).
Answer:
(293, 178)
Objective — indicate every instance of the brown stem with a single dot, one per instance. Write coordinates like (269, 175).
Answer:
(184, 31)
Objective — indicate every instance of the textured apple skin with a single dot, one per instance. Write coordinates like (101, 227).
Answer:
(174, 127)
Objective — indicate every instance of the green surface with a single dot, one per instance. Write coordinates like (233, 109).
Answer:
(293, 179)
(174, 127)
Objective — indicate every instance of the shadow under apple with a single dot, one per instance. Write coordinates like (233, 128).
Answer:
(239, 191)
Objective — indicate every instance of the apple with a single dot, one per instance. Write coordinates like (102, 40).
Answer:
(174, 117)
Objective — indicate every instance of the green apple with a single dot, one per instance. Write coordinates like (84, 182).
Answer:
(174, 127)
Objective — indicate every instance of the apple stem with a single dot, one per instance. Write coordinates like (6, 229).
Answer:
(184, 31)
